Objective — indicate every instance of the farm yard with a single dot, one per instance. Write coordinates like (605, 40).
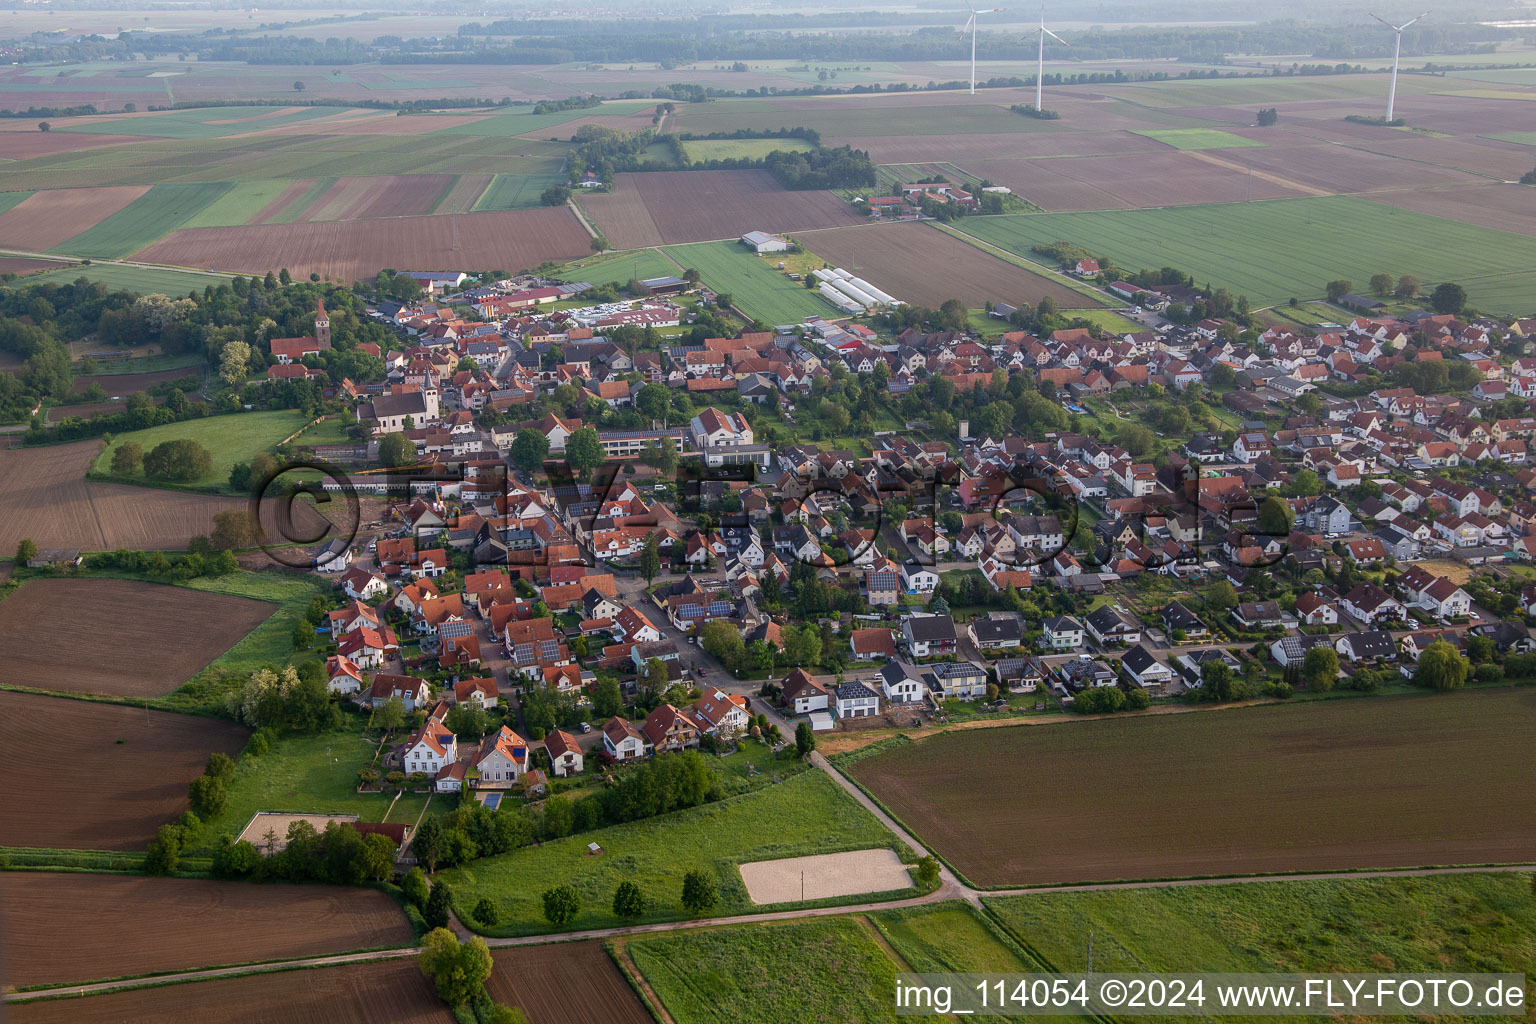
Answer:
(565, 983)
(142, 925)
(1362, 812)
(755, 285)
(1469, 922)
(44, 495)
(925, 267)
(1307, 243)
(146, 648)
(353, 994)
(665, 208)
(351, 250)
(804, 815)
(118, 773)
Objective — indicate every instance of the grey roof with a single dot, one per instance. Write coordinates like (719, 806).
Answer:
(1107, 617)
(930, 628)
(1370, 645)
(896, 670)
(1138, 659)
(855, 691)
(957, 669)
(1001, 628)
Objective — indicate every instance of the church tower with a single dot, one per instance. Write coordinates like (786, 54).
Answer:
(322, 325)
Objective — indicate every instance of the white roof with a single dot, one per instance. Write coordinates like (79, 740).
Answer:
(821, 721)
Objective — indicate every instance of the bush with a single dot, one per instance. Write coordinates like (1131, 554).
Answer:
(485, 911)
(561, 905)
(698, 892)
(628, 901)
(439, 909)
(180, 461)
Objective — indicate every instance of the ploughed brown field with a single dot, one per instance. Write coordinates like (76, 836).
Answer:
(1504, 207)
(25, 265)
(44, 495)
(923, 266)
(656, 208)
(365, 198)
(351, 250)
(45, 219)
(370, 993)
(102, 776)
(118, 637)
(140, 925)
(84, 412)
(126, 384)
(1373, 783)
(565, 983)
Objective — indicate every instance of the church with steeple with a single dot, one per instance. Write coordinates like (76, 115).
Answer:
(322, 325)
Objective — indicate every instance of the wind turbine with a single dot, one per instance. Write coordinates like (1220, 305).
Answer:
(1396, 53)
(1040, 71)
(970, 26)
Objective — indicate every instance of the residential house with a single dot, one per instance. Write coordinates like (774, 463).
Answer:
(668, 729)
(623, 741)
(1109, 625)
(855, 700)
(927, 635)
(901, 683)
(503, 758)
(996, 630)
(1063, 633)
(565, 756)
(1145, 668)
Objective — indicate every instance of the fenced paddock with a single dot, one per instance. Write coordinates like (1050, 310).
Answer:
(824, 876)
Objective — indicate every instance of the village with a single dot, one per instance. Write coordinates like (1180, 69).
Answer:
(934, 578)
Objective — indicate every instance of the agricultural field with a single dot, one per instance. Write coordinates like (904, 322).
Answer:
(43, 220)
(666, 208)
(142, 280)
(158, 212)
(821, 969)
(756, 287)
(1519, 138)
(1501, 207)
(1266, 809)
(1470, 922)
(353, 994)
(135, 642)
(700, 150)
(619, 267)
(239, 205)
(23, 265)
(846, 118)
(404, 195)
(44, 495)
(143, 925)
(923, 266)
(524, 122)
(201, 123)
(950, 936)
(124, 384)
(351, 250)
(1198, 138)
(514, 191)
(110, 775)
(565, 983)
(229, 439)
(804, 815)
(1307, 243)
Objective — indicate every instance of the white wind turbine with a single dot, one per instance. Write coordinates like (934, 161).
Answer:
(1396, 53)
(1040, 70)
(970, 26)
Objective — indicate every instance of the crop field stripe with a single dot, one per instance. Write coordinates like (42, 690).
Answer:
(290, 213)
(195, 124)
(512, 124)
(10, 199)
(755, 286)
(143, 280)
(157, 213)
(1197, 138)
(514, 191)
(239, 204)
(1273, 250)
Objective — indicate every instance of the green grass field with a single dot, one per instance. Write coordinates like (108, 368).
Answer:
(619, 267)
(1105, 318)
(144, 280)
(522, 121)
(515, 191)
(944, 937)
(829, 969)
(1271, 251)
(1197, 138)
(196, 124)
(1522, 138)
(804, 815)
(156, 213)
(238, 205)
(229, 439)
(738, 149)
(10, 199)
(310, 774)
(755, 287)
(1450, 923)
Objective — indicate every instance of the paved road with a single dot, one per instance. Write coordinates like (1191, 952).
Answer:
(950, 887)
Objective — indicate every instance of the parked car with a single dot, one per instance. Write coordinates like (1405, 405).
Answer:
(586, 727)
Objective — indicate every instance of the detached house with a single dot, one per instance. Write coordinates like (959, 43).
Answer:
(565, 758)
(1109, 625)
(855, 700)
(901, 683)
(503, 758)
(927, 635)
(803, 694)
(1144, 667)
(623, 741)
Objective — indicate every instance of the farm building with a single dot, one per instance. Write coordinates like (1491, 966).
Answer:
(761, 241)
